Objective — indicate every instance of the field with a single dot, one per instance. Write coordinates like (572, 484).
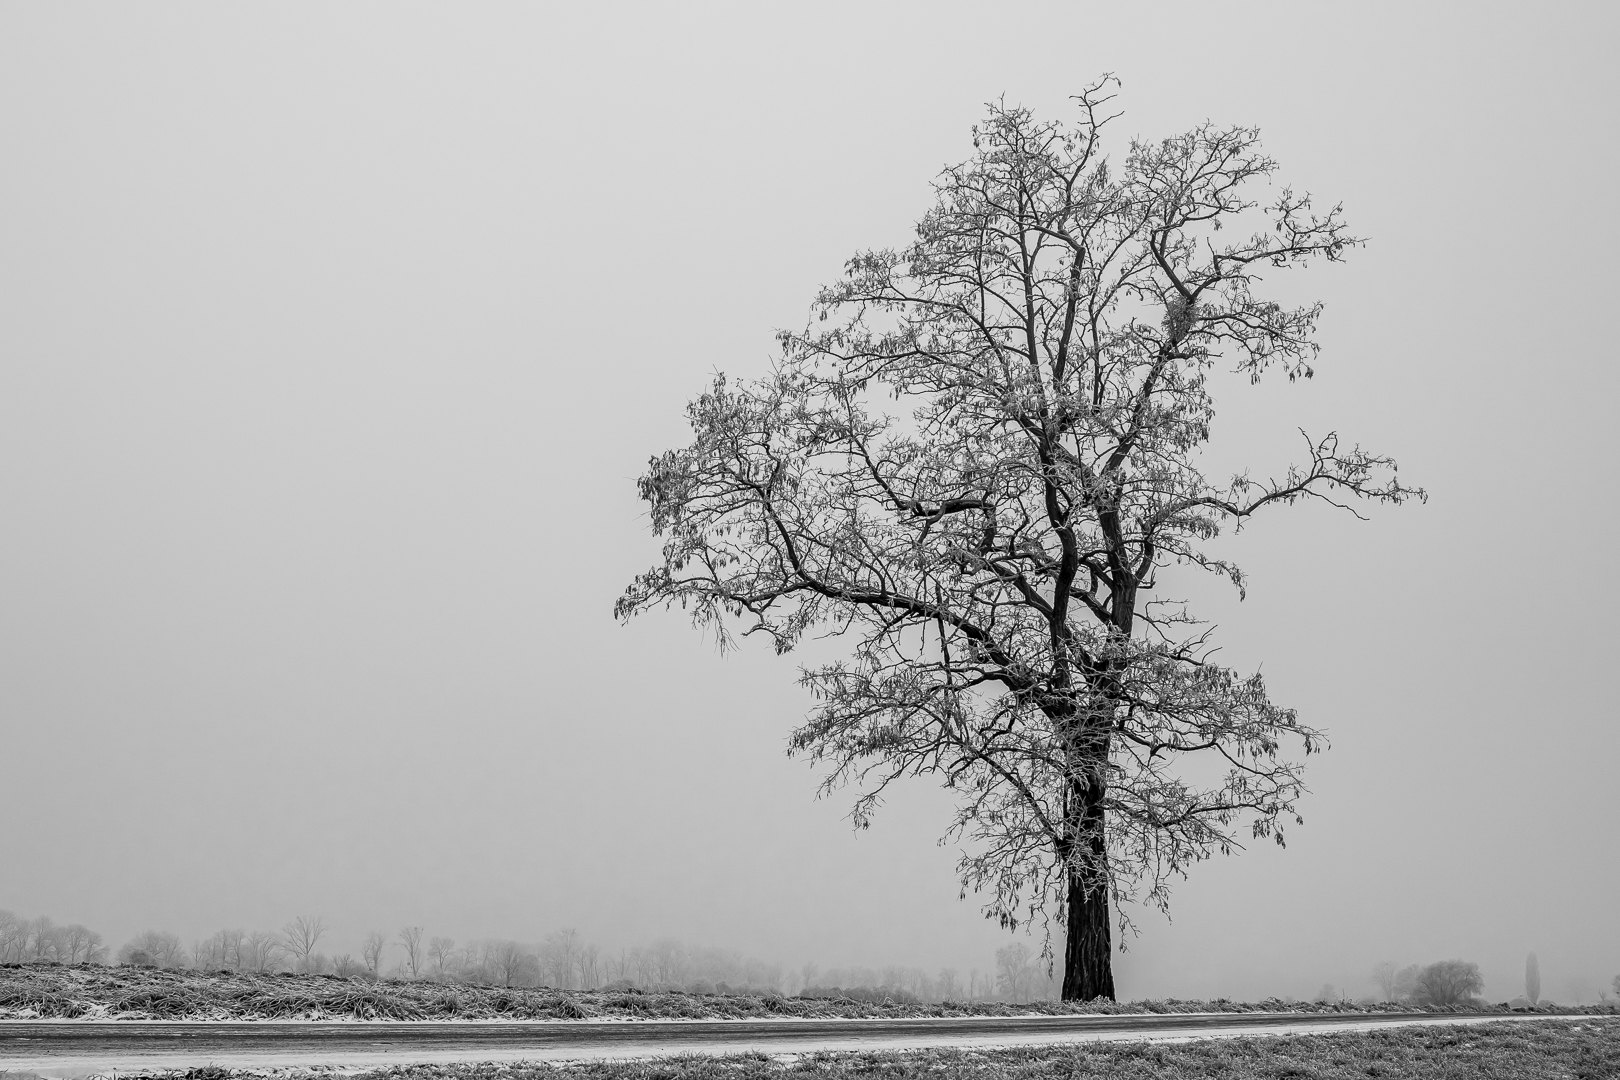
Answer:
(1535, 1050)
(94, 992)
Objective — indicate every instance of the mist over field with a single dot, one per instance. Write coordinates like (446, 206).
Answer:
(332, 340)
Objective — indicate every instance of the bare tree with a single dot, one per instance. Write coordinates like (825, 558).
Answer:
(1015, 972)
(411, 938)
(1406, 982)
(948, 985)
(1448, 982)
(230, 947)
(1532, 979)
(82, 945)
(643, 966)
(259, 950)
(590, 976)
(205, 954)
(221, 951)
(976, 464)
(371, 952)
(44, 940)
(300, 937)
(1383, 974)
(348, 967)
(560, 956)
(153, 948)
(1330, 994)
(11, 938)
(511, 962)
(668, 961)
(441, 950)
(475, 963)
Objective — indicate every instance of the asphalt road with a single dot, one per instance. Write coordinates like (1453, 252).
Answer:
(77, 1048)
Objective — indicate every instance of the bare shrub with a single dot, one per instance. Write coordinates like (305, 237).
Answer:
(1448, 982)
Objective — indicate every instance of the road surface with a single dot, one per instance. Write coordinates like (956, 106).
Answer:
(77, 1048)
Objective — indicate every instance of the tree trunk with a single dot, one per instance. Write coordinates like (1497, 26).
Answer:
(1088, 956)
(1088, 960)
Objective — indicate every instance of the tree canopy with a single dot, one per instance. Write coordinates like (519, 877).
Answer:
(973, 466)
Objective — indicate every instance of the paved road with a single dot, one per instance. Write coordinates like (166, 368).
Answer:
(81, 1048)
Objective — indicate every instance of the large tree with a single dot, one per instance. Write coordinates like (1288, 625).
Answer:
(974, 466)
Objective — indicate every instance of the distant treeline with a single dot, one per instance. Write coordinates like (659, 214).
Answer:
(561, 959)
(41, 939)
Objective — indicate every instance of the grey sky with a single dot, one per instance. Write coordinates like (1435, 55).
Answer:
(332, 338)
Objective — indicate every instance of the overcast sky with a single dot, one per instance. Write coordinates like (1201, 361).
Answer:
(332, 338)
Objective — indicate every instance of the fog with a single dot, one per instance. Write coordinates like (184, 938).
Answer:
(332, 339)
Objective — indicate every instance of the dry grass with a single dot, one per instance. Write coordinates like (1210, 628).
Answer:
(1536, 1050)
(93, 992)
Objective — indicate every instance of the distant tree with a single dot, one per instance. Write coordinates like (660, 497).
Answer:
(1330, 994)
(300, 937)
(1015, 972)
(1532, 979)
(95, 948)
(220, 952)
(474, 963)
(411, 938)
(1447, 982)
(1383, 974)
(441, 950)
(82, 945)
(371, 951)
(560, 956)
(616, 966)
(765, 975)
(11, 937)
(1406, 981)
(230, 946)
(513, 965)
(948, 984)
(153, 948)
(640, 965)
(44, 941)
(348, 967)
(590, 962)
(205, 955)
(260, 950)
(669, 961)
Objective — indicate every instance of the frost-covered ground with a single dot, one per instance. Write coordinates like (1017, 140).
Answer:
(1536, 1048)
(95, 992)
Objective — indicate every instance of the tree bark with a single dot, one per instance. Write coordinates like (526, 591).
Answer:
(1088, 955)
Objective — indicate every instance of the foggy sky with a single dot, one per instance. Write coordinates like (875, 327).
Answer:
(332, 339)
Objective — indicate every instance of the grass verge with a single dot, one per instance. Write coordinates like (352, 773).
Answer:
(95, 992)
(1530, 1050)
